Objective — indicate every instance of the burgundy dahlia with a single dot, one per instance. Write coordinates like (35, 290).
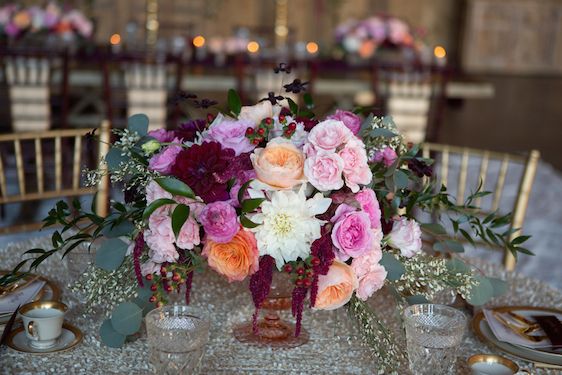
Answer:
(199, 167)
(188, 130)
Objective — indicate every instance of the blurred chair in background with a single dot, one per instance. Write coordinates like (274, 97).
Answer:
(475, 168)
(12, 159)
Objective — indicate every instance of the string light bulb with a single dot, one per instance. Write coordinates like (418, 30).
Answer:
(312, 47)
(115, 39)
(253, 46)
(199, 41)
(439, 52)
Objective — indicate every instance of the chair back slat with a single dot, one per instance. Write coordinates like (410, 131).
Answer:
(483, 172)
(3, 190)
(19, 166)
(39, 165)
(444, 165)
(76, 162)
(462, 177)
(500, 183)
(58, 163)
(102, 197)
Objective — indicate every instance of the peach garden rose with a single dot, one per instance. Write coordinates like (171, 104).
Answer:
(235, 259)
(279, 164)
(336, 287)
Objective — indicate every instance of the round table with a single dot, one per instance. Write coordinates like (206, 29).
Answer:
(334, 348)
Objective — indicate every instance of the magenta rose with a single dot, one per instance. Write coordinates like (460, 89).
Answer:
(164, 160)
(328, 135)
(349, 119)
(324, 171)
(162, 135)
(232, 134)
(406, 236)
(369, 203)
(219, 221)
(388, 156)
(351, 234)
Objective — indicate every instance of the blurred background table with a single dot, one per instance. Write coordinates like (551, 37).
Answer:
(334, 345)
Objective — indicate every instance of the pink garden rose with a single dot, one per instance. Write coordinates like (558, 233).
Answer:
(324, 171)
(256, 113)
(351, 234)
(349, 119)
(164, 160)
(370, 273)
(388, 156)
(232, 134)
(360, 176)
(162, 135)
(406, 236)
(354, 156)
(369, 203)
(328, 135)
(219, 221)
(155, 191)
(188, 237)
(149, 267)
(160, 237)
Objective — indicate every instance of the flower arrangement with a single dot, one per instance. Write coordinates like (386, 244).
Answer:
(270, 188)
(15, 21)
(366, 37)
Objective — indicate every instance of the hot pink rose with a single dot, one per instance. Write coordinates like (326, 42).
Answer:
(370, 273)
(406, 236)
(162, 135)
(369, 203)
(324, 171)
(155, 191)
(219, 221)
(353, 155)
(164, 160)
(388, 156)
(232, 134)
(360, 176)
(349, 119)
(351, 234)
(328, 135)
(188, 237)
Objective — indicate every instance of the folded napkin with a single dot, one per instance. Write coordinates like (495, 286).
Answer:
(10, 302)
(505, 334)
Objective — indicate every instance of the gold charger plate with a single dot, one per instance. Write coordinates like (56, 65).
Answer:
(78, 336)
(484, 333)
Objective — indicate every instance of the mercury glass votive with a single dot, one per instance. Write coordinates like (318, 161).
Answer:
(177, 336)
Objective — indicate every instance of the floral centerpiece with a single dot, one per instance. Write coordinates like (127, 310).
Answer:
(270, 188)
(368, 37)
(67, 23)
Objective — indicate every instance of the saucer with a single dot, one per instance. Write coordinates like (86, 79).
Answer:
(69, 338)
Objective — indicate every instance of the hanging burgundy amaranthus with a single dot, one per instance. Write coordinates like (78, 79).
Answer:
(137, 251)
(260, 283)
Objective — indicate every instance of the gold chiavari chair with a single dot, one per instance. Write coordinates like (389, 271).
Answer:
(39, 189)
(443, 154)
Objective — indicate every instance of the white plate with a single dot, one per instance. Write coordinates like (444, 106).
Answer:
(69, 338)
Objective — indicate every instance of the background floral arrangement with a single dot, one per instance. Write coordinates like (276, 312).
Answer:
(365, 37)
(264, 189)
(16, 21)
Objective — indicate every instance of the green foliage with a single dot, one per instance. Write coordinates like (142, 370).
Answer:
(247, 223)
(308, 101)
(138, 123)
(249, 205)
(179, 216)
(126, 319)
(154, 205)
(234, 102)
(111, 254)
(109, 336)
(175, 186)
(393, 266)
(114, 158)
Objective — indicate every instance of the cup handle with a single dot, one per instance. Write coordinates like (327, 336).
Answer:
(31, 330)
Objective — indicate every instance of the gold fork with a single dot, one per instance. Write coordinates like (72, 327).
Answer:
(518, 330)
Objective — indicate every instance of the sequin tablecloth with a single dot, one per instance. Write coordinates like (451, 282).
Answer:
(334, 347)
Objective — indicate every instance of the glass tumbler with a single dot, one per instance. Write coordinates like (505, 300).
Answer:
(433, 334)
(177, 335)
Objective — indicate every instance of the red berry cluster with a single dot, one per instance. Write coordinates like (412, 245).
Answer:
(288, 128)
(301, 271)
(259, 134)
(171, 278)
(210, 118)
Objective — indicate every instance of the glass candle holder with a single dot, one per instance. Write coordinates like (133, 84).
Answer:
(433, 334)
(177, 336)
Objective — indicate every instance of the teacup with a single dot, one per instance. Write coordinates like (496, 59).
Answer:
(42, 322)
(488, 364)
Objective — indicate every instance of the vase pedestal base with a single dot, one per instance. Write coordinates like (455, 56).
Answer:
(272, 332)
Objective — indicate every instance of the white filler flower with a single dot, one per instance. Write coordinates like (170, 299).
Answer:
(288, 225)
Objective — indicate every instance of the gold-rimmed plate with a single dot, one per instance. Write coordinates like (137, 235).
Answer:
(485, 334)
(69, 338)
(49, 292)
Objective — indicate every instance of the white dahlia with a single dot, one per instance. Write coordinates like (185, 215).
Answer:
(289, 224)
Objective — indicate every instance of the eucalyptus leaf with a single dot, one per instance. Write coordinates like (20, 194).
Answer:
(124, 228)
(481, 293)
(109, 336)
(234, 102)
(138, 123)
(126, 319)
(434, 228)
(179, 216)
(416, 300)
(457, 266)
(175, 186)
(367, 123)
(448, 246)
(114, 158)
(393, 266)
(400, 179)
(110, 254)
(499, 286)
(382, 132)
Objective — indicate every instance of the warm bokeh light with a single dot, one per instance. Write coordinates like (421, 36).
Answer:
(115, 39)
(312, 47)
(367, 49)
(439, 52)
(253, 47)
(199, 41)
